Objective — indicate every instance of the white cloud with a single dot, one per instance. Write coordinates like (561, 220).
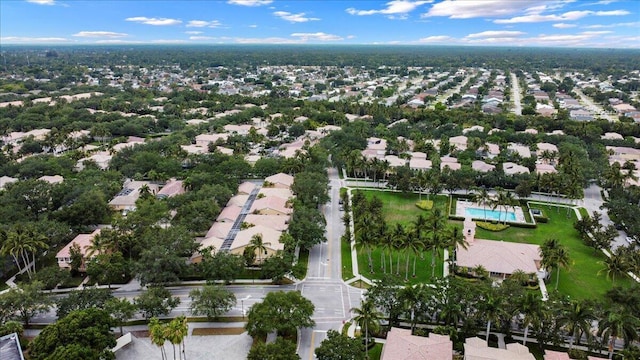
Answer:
(42, 2)
(563, 25)
(612, 13)
(534, 18)
(117, 41)
(154, 21)
(294, 18)
(202, 23)
(168, 41)
(394, 7)
(201, 38)
(253, 26)
(24, 39)
(351, 36)
(249, 2)
(437, 39)
(462, 9)
(193, 32)
(625, 24)
(495, 34)
(318, 36)
(269, 40)
(100, 34)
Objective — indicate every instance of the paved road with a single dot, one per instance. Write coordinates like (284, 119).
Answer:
(515, 94)
(323, 285)
(596, 109)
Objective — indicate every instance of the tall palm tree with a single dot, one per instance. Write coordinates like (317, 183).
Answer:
(257, 244)
(411, 296)
(482, 197)
(388, 245)
(365, 237)
(417, 239)
(618, 322)
(436, 224)
(576, 318)
(615, 265)
(175, 332)
(530, 305)
(157, 335)
(492, 308)
(23, 243)
(399, 243)
(367, 317)
(381, 231)
(554, 255)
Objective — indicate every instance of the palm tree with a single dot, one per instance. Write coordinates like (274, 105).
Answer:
(157, 335)
(256, 244)
(20, 242)
(480, 272)
(175, 332)
(388, 243)
(530, 306)
(436, 224)
(482, 197)
(365, 238)
(399, 241)
(615, 265)
(417, 239)
(576, 317)
(367, 317)
(411, 297)
(618, 322)
(554, 255)
(492, 307)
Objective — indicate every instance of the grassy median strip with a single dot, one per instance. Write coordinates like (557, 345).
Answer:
(217, 331)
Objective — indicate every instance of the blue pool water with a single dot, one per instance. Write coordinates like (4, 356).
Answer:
(489, 214)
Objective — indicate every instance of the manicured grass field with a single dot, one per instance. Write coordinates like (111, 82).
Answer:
(347, 267)
(581, 279)
(375, 352)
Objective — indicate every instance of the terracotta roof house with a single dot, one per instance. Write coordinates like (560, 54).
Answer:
(401, 345)
(246, 188)
(131, 142)
(556, 355)
(450, 162)
(624, 153)
(419, 164)
(127, 197)
(172, 188)
(460, 142)
(418, 155)
(229, 214)
(270, 239)
(513, 168)
(493, 150)
(276, 222)
(520, 149)
(4, 180)
(270, 205)
(543, 146)
(279, 192)
(481, 166)
(238, 200)
(205, 139)
(473, 128)
(395, 161)
(478, 349)
(376, 144)
(219, 230)
(280, 180)
(195, 149)
(101, 159)
(545, 169)
(612, 136)
(55, 179)
(224, 150)
(83, 241)
(500, 258)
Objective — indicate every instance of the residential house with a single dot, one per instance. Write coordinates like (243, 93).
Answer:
(172, 188)
(4, 180)
(83, 242)
(270, 239)
(246, 188)
(401, 345)
(520, 149)
(460, 142)
(395, 161)
(420, 164)
(580, 115)
(10, 347)
(623, 153)
(204, 140)
(510, 168)
(279, 192)
(101, 159)
(55, 179)
(127, 197)
(271, 205)
(612, 136)
(449, 162)
(481, 166)
(499, 258)
(276, 222)
(545, 169)
(280, 180)
(478, 349)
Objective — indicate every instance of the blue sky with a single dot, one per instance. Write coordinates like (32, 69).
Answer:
(584, 23)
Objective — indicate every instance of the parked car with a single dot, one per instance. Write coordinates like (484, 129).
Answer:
(630, 240)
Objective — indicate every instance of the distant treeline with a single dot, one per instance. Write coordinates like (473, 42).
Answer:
(598, 61)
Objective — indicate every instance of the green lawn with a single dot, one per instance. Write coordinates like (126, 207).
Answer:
(375, 352)
(580, 280)
(401, 208)
(347, 265)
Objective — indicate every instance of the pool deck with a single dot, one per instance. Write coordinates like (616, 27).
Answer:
(462, 205)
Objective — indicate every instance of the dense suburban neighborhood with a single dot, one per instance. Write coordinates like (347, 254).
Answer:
(438, 210)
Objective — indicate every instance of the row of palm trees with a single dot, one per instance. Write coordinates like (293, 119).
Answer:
(462, 309)
(174, 331)
(501, 200)
(426, 233)
(23, 244)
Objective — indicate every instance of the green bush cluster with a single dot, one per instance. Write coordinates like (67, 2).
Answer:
(491, 226)
(425, 204)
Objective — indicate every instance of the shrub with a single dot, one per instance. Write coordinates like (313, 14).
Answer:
(491, 226)
(541, 219)
(577, 354)
(425, 204)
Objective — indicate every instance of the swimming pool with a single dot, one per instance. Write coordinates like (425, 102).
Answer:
(489, 214)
